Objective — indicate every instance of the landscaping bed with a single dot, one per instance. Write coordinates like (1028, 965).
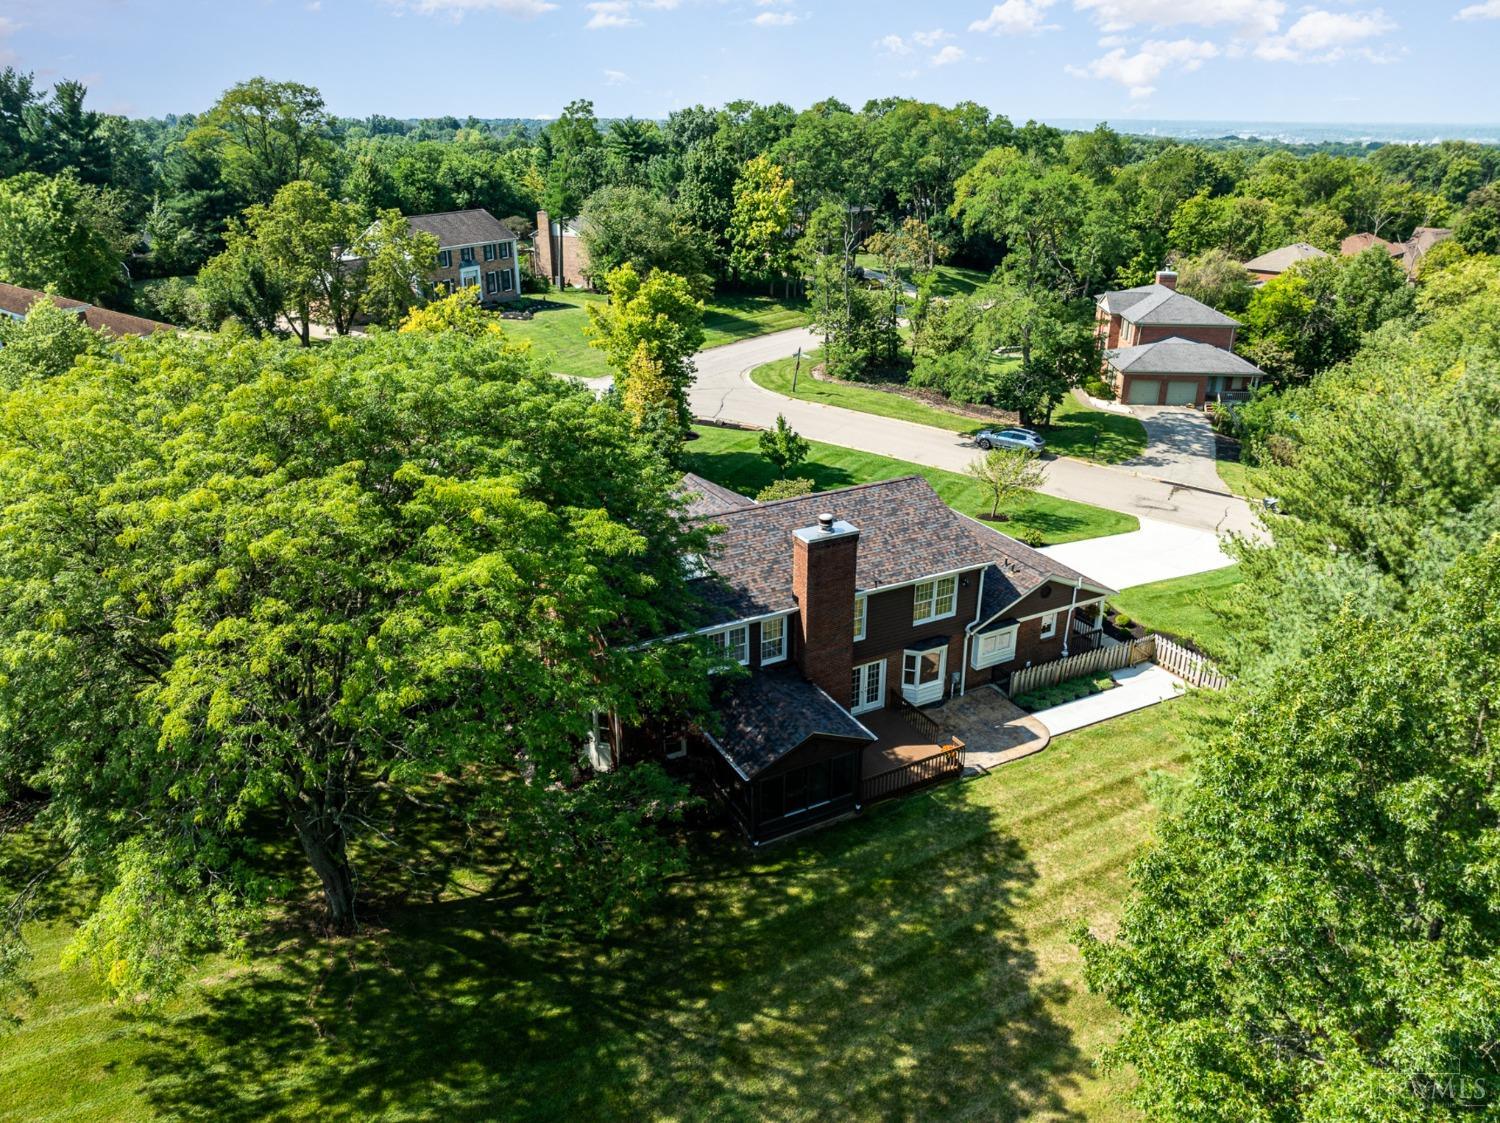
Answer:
(1060, 694)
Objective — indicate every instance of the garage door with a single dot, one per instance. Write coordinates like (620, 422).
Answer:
(1145, 391)
(1182, 393)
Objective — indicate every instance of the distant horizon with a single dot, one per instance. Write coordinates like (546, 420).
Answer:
(1392, 63)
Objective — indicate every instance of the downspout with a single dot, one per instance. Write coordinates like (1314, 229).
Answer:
(1068, 633)
(963, 671)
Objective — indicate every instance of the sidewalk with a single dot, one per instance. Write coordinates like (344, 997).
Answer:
(1138, 687)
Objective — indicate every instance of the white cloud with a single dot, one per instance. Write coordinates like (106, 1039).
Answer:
(1488, 10)
(948, 56)
(1138, 72)
(893, 45)
(1016, 17)
(775, 19)
(610, 14)
(1252, 17)
(459, 8)
(616, 78)
(930, 38)
(1323, 36)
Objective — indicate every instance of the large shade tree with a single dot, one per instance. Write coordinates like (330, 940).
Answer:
(251, 594)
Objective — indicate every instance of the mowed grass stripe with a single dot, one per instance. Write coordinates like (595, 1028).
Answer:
(913, 963)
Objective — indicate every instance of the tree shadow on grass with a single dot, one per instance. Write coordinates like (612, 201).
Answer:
(748, 472)
(872, 971)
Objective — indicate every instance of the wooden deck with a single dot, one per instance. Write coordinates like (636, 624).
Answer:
(900, 743)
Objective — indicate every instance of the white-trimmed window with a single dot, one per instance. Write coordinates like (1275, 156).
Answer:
(861, 614)
(773, 640)
(933, 600)
(994, 647)
(733, 642)
(1049, 625)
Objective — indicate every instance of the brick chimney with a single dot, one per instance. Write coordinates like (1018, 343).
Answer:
(823, 559)
(543, 242)
(1167, 277)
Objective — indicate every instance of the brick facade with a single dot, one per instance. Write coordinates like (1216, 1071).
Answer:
(561, 256)
(497, 276)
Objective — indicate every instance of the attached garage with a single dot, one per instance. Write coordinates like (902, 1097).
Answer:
(1163, 391)
(1174, 372)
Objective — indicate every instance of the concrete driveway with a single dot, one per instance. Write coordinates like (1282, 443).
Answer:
(723, 391)
(1179, 447)
(1158, 551)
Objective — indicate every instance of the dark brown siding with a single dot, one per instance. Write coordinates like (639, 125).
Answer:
(889, 630)
(1030, 647)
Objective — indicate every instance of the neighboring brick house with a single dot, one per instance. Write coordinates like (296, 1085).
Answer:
(1410, 252)
(474, 248)
(1134, 327)
(560, 253)
(847, 606)
(1278, 261)
(15, 302)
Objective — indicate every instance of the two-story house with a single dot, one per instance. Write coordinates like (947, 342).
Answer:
(474, 249)
(849, 608)
(1163, 347)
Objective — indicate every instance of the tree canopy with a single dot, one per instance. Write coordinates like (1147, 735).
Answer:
(256, 595)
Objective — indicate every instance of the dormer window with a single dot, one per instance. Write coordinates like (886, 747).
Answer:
(772, 640)
(733, 643)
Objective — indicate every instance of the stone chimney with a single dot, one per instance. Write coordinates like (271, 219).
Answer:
(1167, 277)
(823, 559)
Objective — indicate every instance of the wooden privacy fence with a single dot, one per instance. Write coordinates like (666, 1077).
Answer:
(1187, 665)
(1109, 658)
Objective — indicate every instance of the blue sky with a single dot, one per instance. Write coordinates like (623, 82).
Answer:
(1265, 60)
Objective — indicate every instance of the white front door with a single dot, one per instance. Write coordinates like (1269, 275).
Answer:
(922, 675)
(869, 687)
(469, 275)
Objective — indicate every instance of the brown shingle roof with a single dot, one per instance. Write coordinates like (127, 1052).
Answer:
(704, 497)
(462, 228)
(18, 301)
(1280, 260)
(770, 713)
(906, 532)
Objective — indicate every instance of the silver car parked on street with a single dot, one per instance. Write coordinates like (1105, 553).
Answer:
(1022, 440)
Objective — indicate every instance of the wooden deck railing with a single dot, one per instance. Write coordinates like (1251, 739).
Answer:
(946, 764)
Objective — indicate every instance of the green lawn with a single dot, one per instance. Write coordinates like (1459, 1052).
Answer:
(557, 333)
(914, 963)
(1071, 433)
(1240, 479)
(1183, 606)
(732, 457)
(952, 280)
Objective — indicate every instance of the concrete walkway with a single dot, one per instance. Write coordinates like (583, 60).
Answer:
(1157, 552)
(723, 391)
(1139, 687)
(1179, 447)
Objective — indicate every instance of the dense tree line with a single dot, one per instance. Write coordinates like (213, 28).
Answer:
(1315, 933)
(174, 186)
